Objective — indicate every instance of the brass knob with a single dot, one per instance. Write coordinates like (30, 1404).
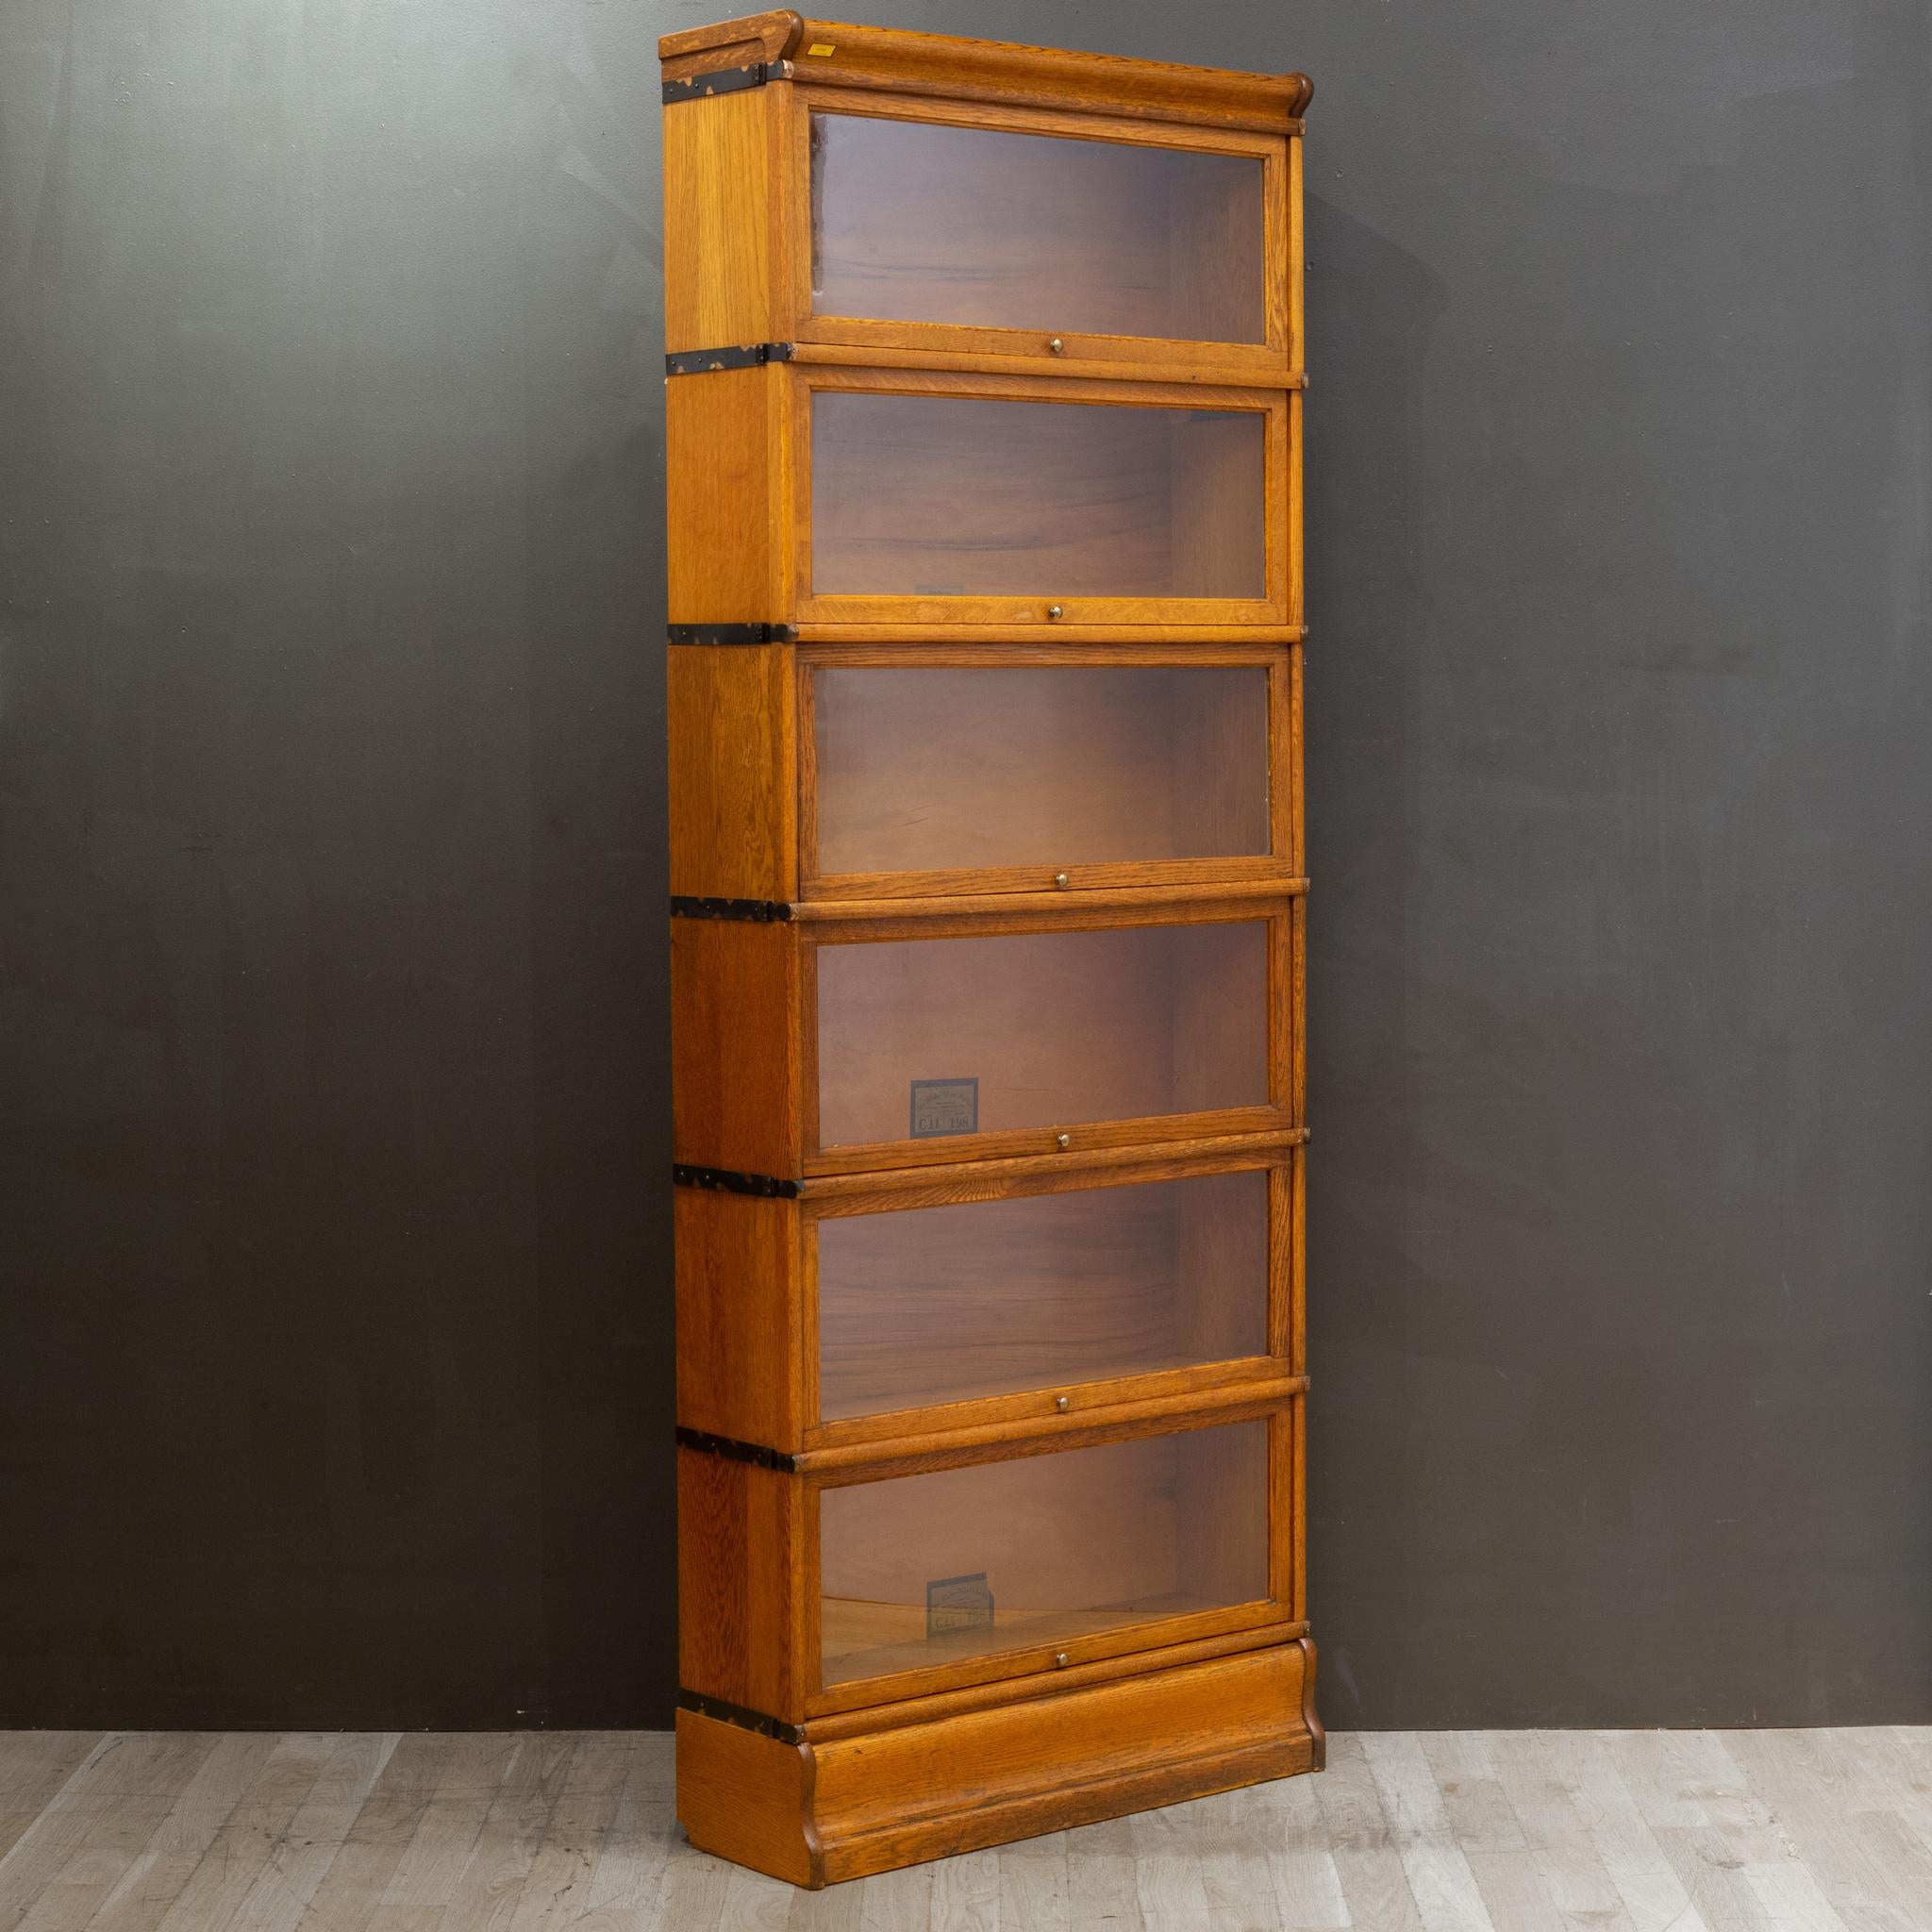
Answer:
(1064, 1140)
(1057, 347)
(1060, 1657)
(1055, 609)
(1060, 878)
(1061, 1403)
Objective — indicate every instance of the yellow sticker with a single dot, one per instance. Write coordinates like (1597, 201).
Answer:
(821, 49)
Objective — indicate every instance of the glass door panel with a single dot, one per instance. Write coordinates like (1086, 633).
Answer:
(913, 220)
(921, 1038)
(958, 1563)
(947, 1303)
(932, 770)
(937, 496)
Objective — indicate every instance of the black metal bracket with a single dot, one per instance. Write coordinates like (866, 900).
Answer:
(727, 80)
(760, 912)
(728, 1180)
(736, 1715)
(744, 356)
(733, 634)
(735, 1451)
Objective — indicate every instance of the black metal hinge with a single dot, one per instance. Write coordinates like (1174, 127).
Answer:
(745, 1720)
(760, 912)
(733, 634)
(727, 80)
(742, 355)
(728, 1180)
(735, 1451)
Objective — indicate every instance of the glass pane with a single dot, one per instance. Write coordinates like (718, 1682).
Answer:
(924, 770)
(912, 221)
(944, 1304)
(943, 496)
(925, 1570)
(923, 1038)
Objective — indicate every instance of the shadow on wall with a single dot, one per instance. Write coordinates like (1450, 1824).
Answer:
(1372, 308)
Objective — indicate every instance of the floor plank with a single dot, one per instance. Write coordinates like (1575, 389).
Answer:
(115, 1841)
(1809, 1808)
(353, 1881)
(1440, 1880)
(1367, 1858)
(446, 1832)
(280, 1896)
(1458, 1831)
(1534, 1770)
(151, 1884)
(640, 1838)
(122, 1773)
(1307, 1887)
(894, 1899)
(1647, 1882)
(33, 1767)
(1033, 1883)
(559, 1881)
(1477, 1815)
(486, 1893)
(1103, 1894)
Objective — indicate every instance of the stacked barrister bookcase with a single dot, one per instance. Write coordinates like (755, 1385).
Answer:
(984, 433)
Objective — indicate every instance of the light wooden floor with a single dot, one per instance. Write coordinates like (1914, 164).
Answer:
(1637, 1830)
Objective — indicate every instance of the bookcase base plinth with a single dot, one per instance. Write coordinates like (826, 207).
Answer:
(817, 1813)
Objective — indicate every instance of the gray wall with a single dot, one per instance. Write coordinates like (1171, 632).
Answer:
(334, 1344)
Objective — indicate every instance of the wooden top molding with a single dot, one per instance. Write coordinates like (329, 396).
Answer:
(939, 64)
(731, 43)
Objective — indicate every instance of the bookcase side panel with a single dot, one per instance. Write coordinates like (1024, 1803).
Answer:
(747, 1797)
(739, 1333)
(734, 783)
(740, 1600)
(727, 523)
(724, 218)
(736, 1083)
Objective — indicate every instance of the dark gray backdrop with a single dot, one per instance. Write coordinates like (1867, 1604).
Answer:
(334, 1365)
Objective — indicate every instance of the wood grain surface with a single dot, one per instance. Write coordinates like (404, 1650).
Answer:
(1014, 1446)
(1492, 1831)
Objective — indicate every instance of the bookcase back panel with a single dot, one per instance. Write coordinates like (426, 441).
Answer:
(923, 1039)
(947, 1303)
(936, 496)
(937, 769)
(917, 221)
(930, 1568)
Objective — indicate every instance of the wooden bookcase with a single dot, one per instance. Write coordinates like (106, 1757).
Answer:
(984, 439)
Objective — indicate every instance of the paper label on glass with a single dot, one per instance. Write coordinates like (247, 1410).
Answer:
(945, 1107)
(957, 1602)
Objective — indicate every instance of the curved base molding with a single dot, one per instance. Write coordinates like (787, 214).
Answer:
(816, 1813)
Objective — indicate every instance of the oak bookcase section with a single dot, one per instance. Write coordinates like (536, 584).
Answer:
(875, 495)
(984, 420)
(856, 771)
